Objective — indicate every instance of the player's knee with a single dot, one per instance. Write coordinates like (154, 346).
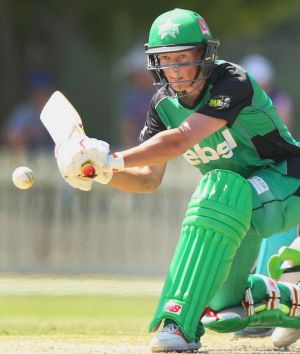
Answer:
(222, 201)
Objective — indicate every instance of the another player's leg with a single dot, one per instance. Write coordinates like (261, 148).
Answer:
(268, 248)
(289, 272)
(216, 221)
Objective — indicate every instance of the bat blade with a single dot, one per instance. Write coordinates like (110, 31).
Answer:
(61, 119)
(63, 123)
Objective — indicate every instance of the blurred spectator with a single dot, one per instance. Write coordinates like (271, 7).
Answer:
(23, 131)
(262, 70)
(135, 98)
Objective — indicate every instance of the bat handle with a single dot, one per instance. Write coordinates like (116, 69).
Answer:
(88, 170)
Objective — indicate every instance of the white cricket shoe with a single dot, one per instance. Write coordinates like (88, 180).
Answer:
(171, 339)
(283, 337)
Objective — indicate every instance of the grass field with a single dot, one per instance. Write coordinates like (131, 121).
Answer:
(75, 315)
(76, 306)
(91, 315)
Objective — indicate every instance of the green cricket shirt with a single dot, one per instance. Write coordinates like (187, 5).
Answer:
(254, 137)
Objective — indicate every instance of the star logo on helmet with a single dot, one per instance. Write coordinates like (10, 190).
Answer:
(168, 28)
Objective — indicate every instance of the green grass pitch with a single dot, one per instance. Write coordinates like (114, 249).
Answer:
(92, 315)
(75, 315)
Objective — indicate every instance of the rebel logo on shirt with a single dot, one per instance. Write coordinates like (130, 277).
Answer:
(205, 154)
(219, 102)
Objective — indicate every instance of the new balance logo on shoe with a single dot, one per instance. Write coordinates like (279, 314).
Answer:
(206, 154)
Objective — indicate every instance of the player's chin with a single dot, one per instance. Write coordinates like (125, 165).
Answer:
(179, 87)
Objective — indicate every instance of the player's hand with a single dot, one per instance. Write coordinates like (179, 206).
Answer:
(71, 157)
(113, 163)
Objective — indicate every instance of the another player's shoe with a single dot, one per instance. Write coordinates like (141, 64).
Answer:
(171, 339)
(283, 337)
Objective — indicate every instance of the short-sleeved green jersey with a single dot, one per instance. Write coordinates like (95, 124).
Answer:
(254, 137)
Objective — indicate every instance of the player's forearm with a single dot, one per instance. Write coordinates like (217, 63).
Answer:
(136, 180)
(169, 144)
(159, 149)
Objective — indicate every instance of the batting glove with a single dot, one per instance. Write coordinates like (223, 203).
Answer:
(113, 163)
(71, 157)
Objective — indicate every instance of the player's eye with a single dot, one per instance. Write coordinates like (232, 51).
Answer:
(164, 58)
(183, 58)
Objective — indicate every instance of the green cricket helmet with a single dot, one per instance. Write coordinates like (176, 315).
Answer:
(179, 30)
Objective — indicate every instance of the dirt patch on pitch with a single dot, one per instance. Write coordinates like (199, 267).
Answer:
(212, 344)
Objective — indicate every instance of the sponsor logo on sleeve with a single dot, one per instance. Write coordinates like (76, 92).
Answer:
(219, 102)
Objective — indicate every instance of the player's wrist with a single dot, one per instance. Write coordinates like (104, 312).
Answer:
(116, 162)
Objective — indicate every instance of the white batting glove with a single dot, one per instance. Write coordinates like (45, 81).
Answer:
(72, 156)
(113, 163)
(103, 177)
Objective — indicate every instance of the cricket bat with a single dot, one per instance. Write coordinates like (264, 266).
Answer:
(63, 123)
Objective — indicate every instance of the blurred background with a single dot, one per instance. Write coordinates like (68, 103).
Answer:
(93, 52)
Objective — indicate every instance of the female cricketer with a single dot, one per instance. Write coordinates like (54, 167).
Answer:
(214, 114)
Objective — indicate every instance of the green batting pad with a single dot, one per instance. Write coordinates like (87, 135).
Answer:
(217, 218)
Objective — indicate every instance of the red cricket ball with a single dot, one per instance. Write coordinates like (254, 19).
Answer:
(89, 171)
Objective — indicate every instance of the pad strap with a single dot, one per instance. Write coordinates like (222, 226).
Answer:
(249, 303)
(273, 292)
(295, 298)
(273, 296)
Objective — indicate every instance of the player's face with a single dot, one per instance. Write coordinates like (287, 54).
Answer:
(180, 76)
